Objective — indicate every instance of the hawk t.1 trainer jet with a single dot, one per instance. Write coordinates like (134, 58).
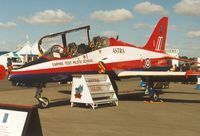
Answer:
(72, 52)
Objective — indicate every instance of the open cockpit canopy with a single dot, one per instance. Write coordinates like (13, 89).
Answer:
(64, 44)
(74, 42)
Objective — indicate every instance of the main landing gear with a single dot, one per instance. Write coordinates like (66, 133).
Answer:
(43, 101)
(152, 92)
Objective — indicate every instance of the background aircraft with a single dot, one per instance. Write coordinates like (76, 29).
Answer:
(71, 52)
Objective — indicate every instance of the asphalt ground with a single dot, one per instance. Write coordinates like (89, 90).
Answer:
(178, 115)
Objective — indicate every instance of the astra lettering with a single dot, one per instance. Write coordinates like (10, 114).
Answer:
(118, 50)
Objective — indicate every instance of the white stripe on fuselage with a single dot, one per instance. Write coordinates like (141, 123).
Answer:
(107, 55)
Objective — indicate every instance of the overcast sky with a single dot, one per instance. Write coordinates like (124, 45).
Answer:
(132, 20)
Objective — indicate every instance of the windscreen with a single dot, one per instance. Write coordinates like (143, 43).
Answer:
(76, 36)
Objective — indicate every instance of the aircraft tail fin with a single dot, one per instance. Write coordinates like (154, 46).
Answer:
(157, 39)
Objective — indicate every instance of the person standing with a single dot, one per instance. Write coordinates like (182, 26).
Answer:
(193, 67)
(9, 65)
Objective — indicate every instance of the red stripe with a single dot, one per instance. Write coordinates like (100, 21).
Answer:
(192, 73)
(16, 106)
(94, 67)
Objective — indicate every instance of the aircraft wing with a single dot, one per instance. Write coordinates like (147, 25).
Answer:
(156, 74)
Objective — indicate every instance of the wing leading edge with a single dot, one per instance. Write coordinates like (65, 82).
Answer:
(156, 74)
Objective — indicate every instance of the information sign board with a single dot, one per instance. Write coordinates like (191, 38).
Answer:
(16, 120)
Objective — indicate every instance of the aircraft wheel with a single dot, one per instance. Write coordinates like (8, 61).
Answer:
(44, 102)
(155, 96)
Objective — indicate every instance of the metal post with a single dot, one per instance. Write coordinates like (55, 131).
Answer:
(198, 77)
(198, 82)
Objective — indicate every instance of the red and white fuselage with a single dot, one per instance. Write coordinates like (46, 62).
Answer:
(117, 56)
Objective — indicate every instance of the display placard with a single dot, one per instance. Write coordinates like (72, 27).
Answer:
(18, 120)
(12, 122)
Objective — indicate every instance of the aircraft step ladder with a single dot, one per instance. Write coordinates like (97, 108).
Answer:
(93, 90)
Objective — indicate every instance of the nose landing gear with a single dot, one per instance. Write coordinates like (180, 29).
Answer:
(43, 101)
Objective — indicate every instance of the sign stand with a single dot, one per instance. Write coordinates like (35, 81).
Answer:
(198, 83)
(93, 90)
(17, 120)
(198, 77)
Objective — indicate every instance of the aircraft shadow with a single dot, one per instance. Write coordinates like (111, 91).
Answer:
(57, 103)
(180, 101)
(65, 91)
(61, 102)
(139, 96)
(180, 92)
(136, 96)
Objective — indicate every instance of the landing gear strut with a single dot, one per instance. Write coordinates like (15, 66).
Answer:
(152, 92)
(154, 95)
(43, 101)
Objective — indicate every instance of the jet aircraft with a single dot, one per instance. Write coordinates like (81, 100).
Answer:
(72, 52)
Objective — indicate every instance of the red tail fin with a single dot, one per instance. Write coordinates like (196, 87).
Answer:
(158, 38)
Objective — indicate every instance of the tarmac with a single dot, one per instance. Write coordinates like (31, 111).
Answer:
(178, 115)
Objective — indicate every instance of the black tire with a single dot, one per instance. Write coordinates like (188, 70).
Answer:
(155, 96)
(44, 103)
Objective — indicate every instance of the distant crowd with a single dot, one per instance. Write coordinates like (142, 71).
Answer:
(185, 67)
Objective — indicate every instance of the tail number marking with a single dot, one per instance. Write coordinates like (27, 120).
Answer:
(159, 43)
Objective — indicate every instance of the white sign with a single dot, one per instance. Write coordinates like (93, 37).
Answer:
(12, 122)
(198, 60)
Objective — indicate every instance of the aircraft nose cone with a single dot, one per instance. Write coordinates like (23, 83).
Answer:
(2, 72)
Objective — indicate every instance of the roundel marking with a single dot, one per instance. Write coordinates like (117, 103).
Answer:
(147, 63)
